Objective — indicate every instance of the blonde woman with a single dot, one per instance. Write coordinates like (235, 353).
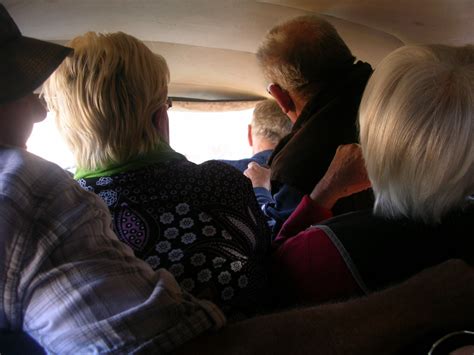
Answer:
(201, 222)
(417, 137)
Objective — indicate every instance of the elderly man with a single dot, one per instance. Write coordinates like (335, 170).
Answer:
(268, 126)
(314, 78)
(67, 281)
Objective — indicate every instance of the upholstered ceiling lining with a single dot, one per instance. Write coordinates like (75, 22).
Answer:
(210, 44)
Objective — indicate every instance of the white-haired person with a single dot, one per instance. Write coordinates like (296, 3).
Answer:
(268, 126)
(200, 222)
(417, 138)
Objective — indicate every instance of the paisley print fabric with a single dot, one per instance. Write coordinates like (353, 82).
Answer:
(201, 222)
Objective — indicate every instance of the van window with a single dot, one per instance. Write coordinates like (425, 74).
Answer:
(200, 136)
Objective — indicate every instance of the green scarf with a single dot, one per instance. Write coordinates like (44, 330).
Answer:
(162, 153)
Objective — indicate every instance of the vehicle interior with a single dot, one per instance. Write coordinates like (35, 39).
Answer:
(210, 45)
(210, 48)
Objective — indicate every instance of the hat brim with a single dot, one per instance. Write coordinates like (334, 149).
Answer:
(25, 63)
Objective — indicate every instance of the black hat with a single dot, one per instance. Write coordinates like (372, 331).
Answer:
(25, 63)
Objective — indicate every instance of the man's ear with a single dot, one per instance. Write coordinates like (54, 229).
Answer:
(161, 123)
(282, 97)
(249, 135)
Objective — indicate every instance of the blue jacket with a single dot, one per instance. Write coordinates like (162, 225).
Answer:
(261, 158)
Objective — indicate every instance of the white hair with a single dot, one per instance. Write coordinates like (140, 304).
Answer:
(270, 122)
(417, 131)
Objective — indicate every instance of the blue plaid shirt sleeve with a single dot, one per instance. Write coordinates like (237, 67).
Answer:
(70, 283)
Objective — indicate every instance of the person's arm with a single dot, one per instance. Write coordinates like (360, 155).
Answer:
(286, 199)
(278, 207)
(87, 292)
(309, 269)
(264, 196)
(383, 323)
(307, 261)
(258, 175)
(306, 214)
(345, 176)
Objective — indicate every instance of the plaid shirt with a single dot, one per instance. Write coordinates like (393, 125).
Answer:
(67, 281)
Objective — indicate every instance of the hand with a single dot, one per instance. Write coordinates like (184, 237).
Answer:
(345, 176)
(259, 175)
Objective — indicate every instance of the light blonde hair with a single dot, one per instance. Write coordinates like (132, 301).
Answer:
(301, 53)
(417, 131)
(104, 97)
(270, 122)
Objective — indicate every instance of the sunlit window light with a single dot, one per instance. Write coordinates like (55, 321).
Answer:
(200, 136)
(46, 142)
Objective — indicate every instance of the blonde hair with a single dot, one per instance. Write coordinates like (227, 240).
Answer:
(270, 122)
(104, 97)
(302, 52)
(417, 131)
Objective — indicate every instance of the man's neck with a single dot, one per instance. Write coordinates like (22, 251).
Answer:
(260, 145)
(299, 104)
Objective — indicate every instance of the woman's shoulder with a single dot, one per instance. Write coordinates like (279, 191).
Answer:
(212, 171)
(209, 165)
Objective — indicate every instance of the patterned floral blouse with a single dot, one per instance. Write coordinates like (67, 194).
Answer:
(201, 222)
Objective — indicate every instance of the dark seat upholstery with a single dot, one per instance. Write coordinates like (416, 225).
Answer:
(18, 343)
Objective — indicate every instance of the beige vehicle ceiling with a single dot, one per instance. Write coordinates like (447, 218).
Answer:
(210, 44)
